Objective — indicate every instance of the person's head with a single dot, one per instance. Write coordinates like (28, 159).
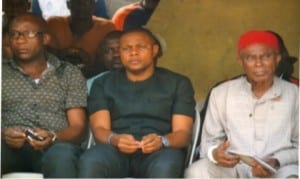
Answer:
(149, 4)
(285, 66)
(139, 50)
(28, 37)
(258, 54)
(110, 50)
(81, 9)
(13, 8)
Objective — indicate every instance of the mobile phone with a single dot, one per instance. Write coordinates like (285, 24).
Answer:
(31, 135)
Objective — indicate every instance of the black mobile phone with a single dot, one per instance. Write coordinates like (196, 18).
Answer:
(31, 135)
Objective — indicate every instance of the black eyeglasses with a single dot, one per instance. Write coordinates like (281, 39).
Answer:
(27, 34)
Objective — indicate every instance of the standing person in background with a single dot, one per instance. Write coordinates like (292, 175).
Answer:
(256, 115)
(11, 8)
(285, 67)
(43, 105)
(134, 15)
(108, 54)
(113, 6)
(48, 8)
(76, 37)
(101, 10)
(141, 115)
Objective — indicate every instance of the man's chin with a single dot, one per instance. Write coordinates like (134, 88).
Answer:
(23, 57)
(262, 79)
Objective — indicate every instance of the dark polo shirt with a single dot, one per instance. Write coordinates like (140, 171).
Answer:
(140, 108)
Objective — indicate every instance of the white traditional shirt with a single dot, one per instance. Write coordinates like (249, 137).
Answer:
(266, 126)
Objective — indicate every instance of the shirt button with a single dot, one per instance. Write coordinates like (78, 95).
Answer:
(34, 106)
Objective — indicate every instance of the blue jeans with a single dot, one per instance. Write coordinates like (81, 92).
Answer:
(59, 160)
(25, 159)
(105, 161)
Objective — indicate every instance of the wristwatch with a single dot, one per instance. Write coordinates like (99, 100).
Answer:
(165, 141)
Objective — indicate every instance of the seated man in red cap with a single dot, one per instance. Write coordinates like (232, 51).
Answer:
(251, 124)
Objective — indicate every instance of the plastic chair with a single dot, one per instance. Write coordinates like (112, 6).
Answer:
(91, 140)
(192, 149)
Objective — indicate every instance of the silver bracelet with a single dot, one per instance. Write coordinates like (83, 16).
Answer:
(110, 137)
(54, 136)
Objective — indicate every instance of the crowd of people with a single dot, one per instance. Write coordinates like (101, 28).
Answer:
(64, 76)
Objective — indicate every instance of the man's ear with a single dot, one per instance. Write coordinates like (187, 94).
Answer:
(46, 38)
(155, 50)
(278, 58)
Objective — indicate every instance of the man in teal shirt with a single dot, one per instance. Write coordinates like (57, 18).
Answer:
(141, 116)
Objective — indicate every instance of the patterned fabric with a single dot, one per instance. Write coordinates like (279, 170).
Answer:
(26, 103)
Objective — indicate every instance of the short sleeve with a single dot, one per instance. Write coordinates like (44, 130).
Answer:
(76, 91)
(184, 100)
(96, 98)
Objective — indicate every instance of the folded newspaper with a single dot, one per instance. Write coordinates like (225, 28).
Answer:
(248, 159)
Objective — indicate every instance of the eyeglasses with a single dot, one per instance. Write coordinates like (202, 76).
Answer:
(27, 34)
(263, 57)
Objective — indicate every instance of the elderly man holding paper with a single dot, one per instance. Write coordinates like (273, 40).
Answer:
(251, 121)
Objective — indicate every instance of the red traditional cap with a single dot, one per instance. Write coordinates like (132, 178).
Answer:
(258, 37)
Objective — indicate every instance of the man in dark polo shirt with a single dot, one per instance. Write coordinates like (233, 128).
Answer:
(141, 116)
(43, 105)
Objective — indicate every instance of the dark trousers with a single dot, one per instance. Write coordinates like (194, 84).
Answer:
(59, 161)
(105, 161)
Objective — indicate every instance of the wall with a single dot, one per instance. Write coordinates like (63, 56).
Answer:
(201, 35)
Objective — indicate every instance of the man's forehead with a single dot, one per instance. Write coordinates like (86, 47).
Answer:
(257, 48)
(136, 34)
(25, 22)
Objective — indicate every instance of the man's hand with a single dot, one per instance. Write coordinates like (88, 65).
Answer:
(260, 171)
(151, 143)
(37, 144)
(126, 143)
(224, 159)
(14, 137)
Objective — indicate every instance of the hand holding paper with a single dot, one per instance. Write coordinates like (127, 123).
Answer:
(248, 159)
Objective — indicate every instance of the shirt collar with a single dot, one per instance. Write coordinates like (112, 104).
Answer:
(273, 93)
(52, 61)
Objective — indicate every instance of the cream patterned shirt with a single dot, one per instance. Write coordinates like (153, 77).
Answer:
(267, 126)
(26, 103)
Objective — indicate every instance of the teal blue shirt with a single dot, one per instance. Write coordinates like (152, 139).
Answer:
(140, 108)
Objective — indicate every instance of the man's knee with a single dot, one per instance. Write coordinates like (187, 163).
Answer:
(198, 169)
(167, 164)
(57, 157)
(99, 161)
(100, 152)
(62, 151)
